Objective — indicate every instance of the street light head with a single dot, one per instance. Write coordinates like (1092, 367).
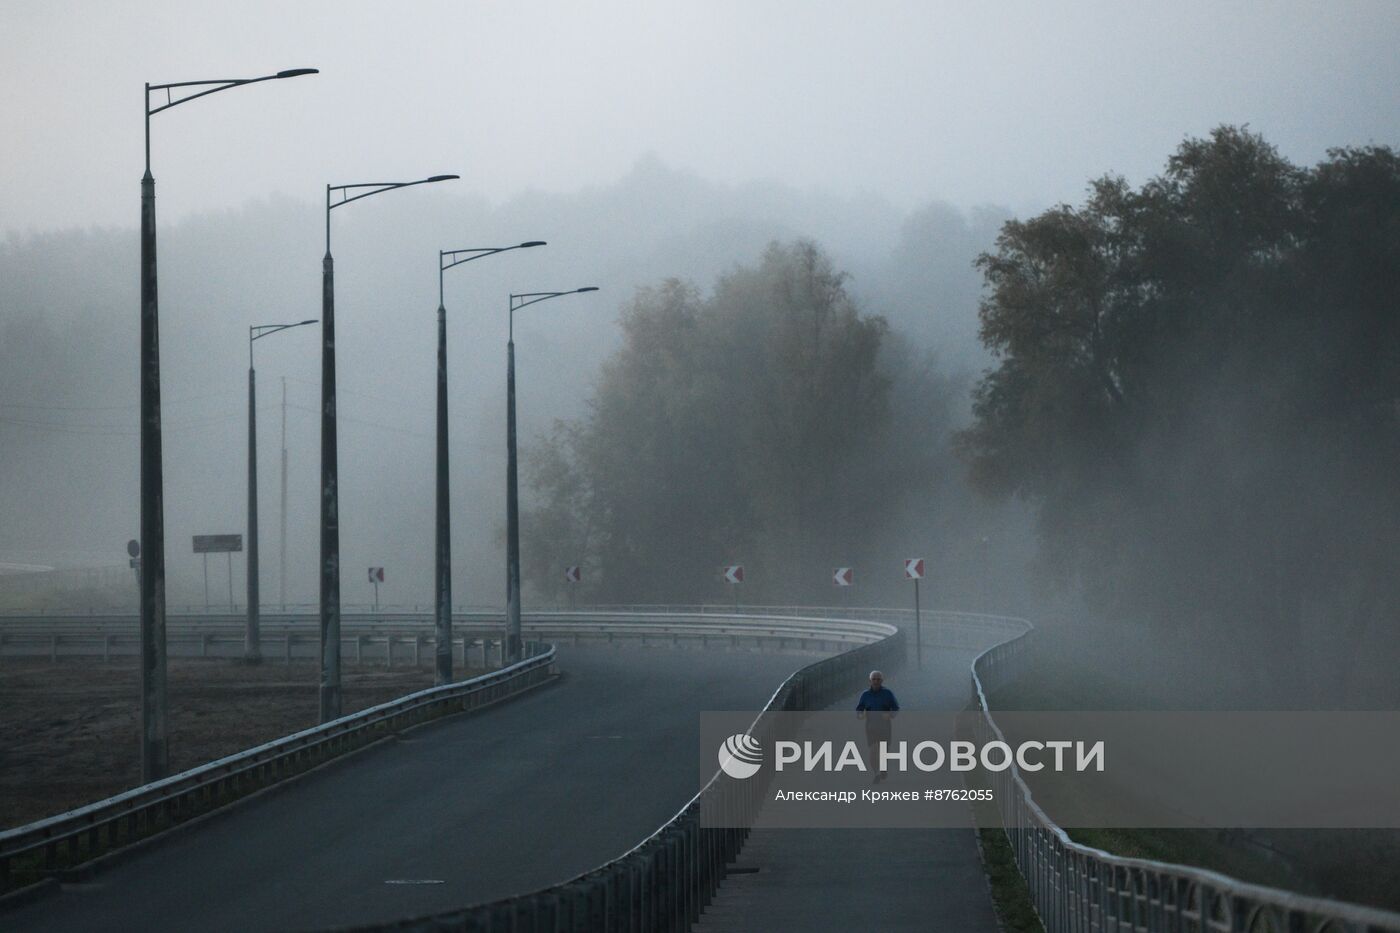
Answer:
(312, 321)
(298, 72)
(590, 288)
(533, 243)
(444, 177)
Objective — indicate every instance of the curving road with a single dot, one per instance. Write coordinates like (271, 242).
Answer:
(837, 880)
(465, 810)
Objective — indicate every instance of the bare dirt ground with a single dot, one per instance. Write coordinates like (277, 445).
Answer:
(69, 731)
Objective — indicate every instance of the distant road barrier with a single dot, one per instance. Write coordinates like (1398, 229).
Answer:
(405, 636)
(1079, 889)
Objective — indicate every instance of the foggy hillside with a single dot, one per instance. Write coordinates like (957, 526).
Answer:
(68, 388)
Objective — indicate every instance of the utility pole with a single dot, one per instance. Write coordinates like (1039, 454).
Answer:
(282, 537)
(253, 640)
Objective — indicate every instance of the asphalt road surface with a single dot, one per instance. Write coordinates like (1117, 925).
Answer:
(838, 880)
(466, 810)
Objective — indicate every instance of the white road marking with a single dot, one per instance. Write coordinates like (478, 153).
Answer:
(415, 881)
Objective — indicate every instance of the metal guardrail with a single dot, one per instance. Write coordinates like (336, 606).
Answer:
(1079, 889)
(73, 836)
(665, 881)
(42, 846)
(409, 637)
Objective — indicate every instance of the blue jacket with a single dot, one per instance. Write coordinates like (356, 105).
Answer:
(878, 701)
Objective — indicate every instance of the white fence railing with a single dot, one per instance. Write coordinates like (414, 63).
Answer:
(1080, 889)
(403, 636)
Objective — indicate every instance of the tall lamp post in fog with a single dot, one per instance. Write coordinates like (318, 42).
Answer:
(513, 641)
(330, 493)
(154, 752)
(252, 642)
(442, 591)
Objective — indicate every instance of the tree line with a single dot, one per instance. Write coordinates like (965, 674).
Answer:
(765, 423)
(1198, 386)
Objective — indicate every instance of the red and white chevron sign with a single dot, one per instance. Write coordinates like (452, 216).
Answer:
(843, 576)
(573, 574)
(914, 568)
(376, 574)
(734, 573)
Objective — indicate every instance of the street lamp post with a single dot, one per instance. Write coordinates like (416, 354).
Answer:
(330, 494)
(252, 641)
(442, 591)
(154, 751)
(514, 646)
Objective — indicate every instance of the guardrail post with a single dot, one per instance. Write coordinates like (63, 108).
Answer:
(595, 904)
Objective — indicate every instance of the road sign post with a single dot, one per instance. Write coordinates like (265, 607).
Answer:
(133, 550)
(914, 570)
(734, 575)
(572, 576)
(218, 544)
(376, 576)
(844, 578)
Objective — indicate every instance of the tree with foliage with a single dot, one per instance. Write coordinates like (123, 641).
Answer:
(1198, 383)
(748, 425)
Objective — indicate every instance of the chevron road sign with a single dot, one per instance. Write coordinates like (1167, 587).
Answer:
(843, 576)
(734, 573)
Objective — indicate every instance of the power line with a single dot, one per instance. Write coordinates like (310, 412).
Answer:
(128, 407)
(341, 416)
(117, 430)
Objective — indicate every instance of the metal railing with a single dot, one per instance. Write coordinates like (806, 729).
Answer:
(31, 851)
(1079, 889)
(409, 637)
(37, 849)
(664, 882)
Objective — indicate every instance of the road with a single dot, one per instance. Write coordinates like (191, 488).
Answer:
(837, 880)
(465, 810)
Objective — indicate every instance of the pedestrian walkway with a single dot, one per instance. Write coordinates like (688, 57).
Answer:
(858, 879)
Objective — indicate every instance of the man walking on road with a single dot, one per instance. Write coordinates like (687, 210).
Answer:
(877, 707)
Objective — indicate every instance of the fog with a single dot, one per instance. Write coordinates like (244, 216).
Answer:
(70, 459)
(645, 143)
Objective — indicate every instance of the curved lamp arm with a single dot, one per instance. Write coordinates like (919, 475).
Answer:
(377, 187)
(447, 258)
(213, 86)
(257, 331)
(210, 87)
(516, 302)
(459, 256)
(374, 187)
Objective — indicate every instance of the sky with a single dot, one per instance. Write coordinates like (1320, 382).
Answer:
(1013, 103)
